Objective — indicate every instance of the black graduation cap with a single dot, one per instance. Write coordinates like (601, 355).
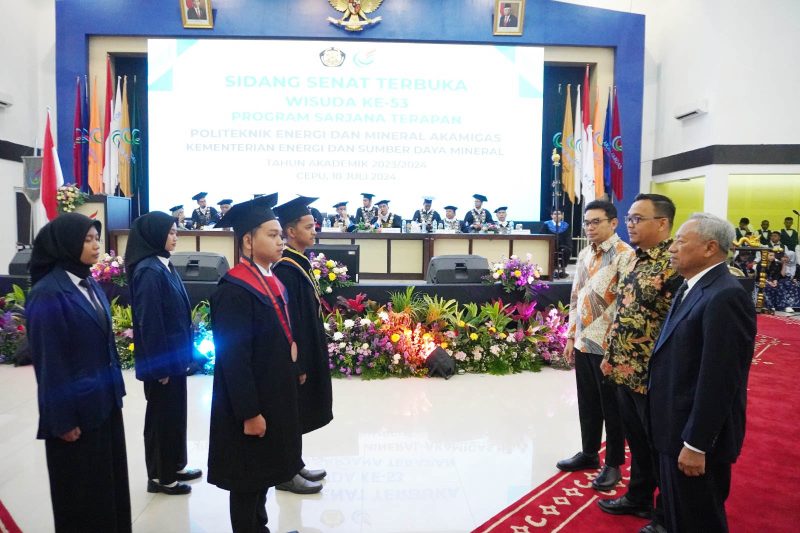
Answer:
(450, 207)
(340, 204)
(226, 201)
(427, 200)
(294, 209)
(175, 208)
(246, 216)
(504, 208)
(199, 196)
(383, 202)
(480, 197)
(367, 195)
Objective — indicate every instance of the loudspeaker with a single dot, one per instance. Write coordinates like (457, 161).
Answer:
(440, 364)
(19, 263)
(347, 254)
(200, 266)
(457, 269)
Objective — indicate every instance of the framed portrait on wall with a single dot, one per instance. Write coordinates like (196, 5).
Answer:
(196, 13)
(508, 17)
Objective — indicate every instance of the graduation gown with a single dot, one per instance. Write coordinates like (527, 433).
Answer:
(430, 217)
(200, 219)
(392, 221)
(315, 396)
(367, 216)
(484, 216)
(254, 375)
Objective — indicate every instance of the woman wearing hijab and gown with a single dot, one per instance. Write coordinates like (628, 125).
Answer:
(80, 385)
(162, 336)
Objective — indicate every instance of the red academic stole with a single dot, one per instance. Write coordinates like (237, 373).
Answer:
(270, 288)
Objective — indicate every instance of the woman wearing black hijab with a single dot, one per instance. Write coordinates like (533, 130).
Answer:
(80, 383)
(162, 336)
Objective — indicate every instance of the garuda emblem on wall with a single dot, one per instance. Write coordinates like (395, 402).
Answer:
(354, 13)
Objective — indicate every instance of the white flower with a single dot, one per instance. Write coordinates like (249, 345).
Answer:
(514, 257)
(364, 321)
(530, 279)
(328, 290)
(498, 266)
(326, 326)
(114, 264)
(496, 275)
(383, 315)
(510, 339)
(495, 349)
(349, 324)
(342, 345)
(396, 358)
(338, 336)
(365, 346)
(460, 355)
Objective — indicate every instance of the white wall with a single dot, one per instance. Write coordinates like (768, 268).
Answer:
(27, 72)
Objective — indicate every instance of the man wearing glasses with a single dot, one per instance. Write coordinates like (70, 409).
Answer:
(644, 295)
(592, 308)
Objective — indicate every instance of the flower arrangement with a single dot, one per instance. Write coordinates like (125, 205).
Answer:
(69, 197)
(329, 273)
(515, 274)
(373, 341)
(110, 269)
(13, 333)
(122, 325)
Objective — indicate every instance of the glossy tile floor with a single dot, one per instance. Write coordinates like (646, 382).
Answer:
(403, 455)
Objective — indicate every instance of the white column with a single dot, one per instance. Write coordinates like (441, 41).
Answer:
(715, 199)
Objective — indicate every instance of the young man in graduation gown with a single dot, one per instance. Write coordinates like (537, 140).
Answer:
(427, 216)
(450, 220)
(386, 219)
(477, 216)
(367, 212)
(255, 437)
(204, 214)
(314, 378)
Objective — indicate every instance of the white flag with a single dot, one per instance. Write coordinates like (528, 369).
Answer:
(578, 134)
(587, 165)
(111, 169)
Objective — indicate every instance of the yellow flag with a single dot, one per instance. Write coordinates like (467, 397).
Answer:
(125, 143)
(568, 151)
(597, 126)
(96, 148)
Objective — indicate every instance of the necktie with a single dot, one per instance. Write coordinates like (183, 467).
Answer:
(678, 299)
(98, 309)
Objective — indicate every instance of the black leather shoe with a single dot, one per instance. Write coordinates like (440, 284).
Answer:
(624, 506)
(607, 479)
(653, 527)
(579, 461)
(300, 485)
(177, 489)
(189, 474)
(313, 475)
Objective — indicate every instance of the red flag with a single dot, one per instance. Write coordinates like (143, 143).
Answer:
(109, 100)
(77, 141)
(616, 150)
(49, 176)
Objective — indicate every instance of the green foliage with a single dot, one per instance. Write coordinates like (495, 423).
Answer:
(495, 313)
(438, 311)
(407, 302)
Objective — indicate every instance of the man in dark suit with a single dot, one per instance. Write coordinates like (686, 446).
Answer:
(698, 378)
(508, 19)
(197, 11)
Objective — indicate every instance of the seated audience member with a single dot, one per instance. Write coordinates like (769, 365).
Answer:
(743, 229)
(560, 228)
(789, 235)
(782, 291)
(775, 241)
(745, 261)
(763, 233)
(450, 221)
(386, 219)
(180, 217)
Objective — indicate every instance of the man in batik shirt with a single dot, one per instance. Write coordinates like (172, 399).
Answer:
(644, 295)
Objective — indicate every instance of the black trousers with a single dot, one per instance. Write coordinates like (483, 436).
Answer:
(249, 512)
(89, 480)
(165, 428)
(695, 504)
(644, 459)
(597, 402)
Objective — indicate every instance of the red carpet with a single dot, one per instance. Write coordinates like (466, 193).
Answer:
(7, 524)
(762, 495)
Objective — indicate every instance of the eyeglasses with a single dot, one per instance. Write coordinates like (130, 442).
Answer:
(594, 222)
(634, 220)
